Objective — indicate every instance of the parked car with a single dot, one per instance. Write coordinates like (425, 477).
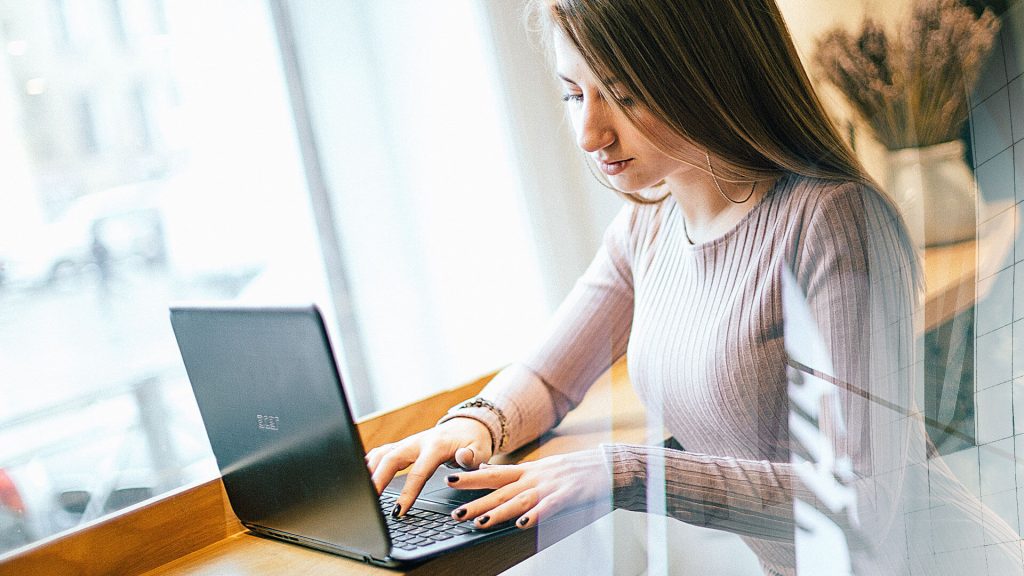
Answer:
(95, 233)
(14, 528)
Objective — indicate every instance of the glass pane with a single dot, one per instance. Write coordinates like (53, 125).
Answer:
(148, 158)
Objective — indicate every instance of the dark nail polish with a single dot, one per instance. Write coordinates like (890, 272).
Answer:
(461, 512)
(453, 478)
(396, 510)
(523, 521)
(484, 519)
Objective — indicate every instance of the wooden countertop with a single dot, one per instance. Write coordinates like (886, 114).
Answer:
(194, 531)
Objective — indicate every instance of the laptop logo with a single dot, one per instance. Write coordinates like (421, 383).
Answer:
(267, 422)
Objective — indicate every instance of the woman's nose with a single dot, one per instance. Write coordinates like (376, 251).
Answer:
(595, 129)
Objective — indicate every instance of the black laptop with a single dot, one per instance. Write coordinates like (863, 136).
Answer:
(275, 411)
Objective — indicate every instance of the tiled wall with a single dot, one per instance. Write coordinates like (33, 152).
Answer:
(991, 470)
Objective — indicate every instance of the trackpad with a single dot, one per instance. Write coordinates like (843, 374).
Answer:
(452, 496)
(436, 490)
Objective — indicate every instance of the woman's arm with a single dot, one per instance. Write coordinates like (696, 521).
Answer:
(855, 269)
(856, 273)
(588, 333)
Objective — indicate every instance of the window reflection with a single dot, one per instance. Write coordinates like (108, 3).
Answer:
(145, 161)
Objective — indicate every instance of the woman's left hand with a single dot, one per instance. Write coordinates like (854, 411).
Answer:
(533, 491)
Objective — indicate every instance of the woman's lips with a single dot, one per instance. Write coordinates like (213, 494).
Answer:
(613, 168)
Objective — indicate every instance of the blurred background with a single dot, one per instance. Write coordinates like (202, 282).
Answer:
(371, 157)
(407, 166)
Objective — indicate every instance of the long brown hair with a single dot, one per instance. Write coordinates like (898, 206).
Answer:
(723, 74)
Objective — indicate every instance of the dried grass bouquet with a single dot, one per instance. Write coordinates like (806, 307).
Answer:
(912, 88)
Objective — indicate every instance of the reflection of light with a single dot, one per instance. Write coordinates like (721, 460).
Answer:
(17, 47)
(35, 86)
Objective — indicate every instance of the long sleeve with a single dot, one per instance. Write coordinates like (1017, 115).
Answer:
(855, 267)
(588, 332)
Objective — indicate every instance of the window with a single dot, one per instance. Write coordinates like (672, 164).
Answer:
(136, 174)
(163, 163)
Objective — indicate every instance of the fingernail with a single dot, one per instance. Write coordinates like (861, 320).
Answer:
(396, 510)
(460, 512)
(453, 478)
(483, 519)
(523, 521)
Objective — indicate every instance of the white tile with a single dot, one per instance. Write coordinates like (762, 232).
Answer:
(993, 358)
(1004, 560)
(919, 532)
(1016, 95)
(992, 241)
(1012, 35)
(995, 309)
(916, 488)
(993, 74)
(999, 515)
(1018, 349)
(964, 465)
(955, 529)
(1018, 291)
(962, 563)
(1018, 175)
(990, 125)
(994, 413)
(995, 183)
(1018, 448)
(1018, 406)
(1018, 229)
(997, 467)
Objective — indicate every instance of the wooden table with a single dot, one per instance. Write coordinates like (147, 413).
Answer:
(193, 531)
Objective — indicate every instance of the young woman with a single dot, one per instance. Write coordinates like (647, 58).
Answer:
(701, 115)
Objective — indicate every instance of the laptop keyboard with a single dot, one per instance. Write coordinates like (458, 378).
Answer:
(418, 528)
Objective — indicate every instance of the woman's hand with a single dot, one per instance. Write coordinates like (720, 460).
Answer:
(464, 441)
(533, 491)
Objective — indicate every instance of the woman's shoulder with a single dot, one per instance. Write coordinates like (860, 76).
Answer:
(836, 203)
(823, 193)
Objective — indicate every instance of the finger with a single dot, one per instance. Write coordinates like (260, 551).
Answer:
(481, 507)
(512, 508)
(374, 456)
(485, 477)
(390, 464)
(547, 507)
(475, 455)
(421, 471)
(466, 458)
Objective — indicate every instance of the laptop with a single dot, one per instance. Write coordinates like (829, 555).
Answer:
(275, 410)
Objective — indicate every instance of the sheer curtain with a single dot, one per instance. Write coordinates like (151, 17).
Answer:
(432, 182)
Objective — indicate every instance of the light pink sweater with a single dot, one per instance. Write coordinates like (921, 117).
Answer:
(703, 327)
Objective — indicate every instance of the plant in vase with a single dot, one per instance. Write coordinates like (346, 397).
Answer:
(912, 89)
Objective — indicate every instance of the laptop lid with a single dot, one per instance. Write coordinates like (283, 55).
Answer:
(275, 411)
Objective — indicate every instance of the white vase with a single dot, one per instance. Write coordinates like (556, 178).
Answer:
(936, 192)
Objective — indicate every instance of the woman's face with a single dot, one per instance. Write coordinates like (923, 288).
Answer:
(630, 160)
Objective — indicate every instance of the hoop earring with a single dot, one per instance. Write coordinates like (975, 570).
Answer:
(753, 185)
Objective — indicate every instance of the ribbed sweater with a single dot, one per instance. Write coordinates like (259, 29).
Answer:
(703, 328)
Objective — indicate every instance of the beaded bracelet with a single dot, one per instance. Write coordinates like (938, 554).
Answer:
(502, 420)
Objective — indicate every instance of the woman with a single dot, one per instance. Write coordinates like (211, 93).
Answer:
(702, 116)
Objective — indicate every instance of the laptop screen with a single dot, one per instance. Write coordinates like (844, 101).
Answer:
(275, 411)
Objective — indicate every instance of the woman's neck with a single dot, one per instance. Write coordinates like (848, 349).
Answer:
(710, 212)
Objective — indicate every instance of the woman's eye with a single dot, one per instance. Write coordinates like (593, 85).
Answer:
(625, 101)
(572, 97)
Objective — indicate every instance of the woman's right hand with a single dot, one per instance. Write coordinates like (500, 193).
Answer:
(464, 441)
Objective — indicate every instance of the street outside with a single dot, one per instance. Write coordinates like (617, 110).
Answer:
(96, 409)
